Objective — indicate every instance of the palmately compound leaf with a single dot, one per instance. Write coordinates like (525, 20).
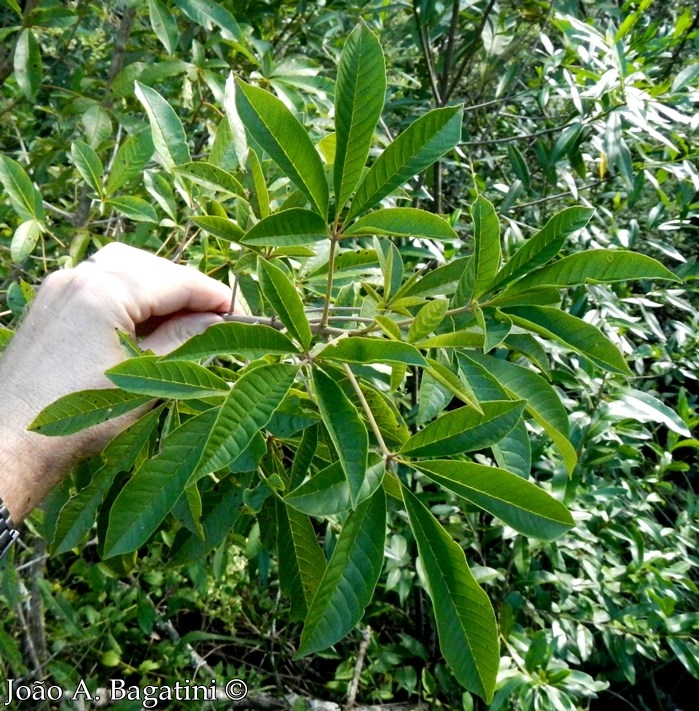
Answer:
(593, 267)
(571, 331)
(544, 245)
(359, 97)
(465, 430)
(301, 560)
(247, 340)
(285, 140)
(166, 128)
(178, 379)
(284, 299)
(426, 140)
(486, 244)
(350, 578)
(468, 635)
(346, 429)
(76, 411)
(153, 490)
(248, 408)
(519, 503)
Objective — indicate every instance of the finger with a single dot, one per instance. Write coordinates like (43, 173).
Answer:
(155, 286)
(177, 330)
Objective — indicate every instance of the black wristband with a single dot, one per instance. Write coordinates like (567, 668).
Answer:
(8, 533)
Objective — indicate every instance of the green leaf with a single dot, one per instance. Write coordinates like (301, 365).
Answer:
(426, 140)
(25, 198)
(543, 403)
(359, 98)
(346, 429)
(544, 245)
(248, 408)
(542, 400)
(164, 25)
(153, 490)
(77, 516)
(358, 349)
(88, 164)
(97, 124)
(519, 503)
(392, 267)
(221, 510)
(206, 12)
(572, 332)
(76, 411)
(251, 341)
(326, 493)
(260, 195)
(402, 222)
(455, 339)
(350, 578)
(513, 452)
(222, 227)
(285, 140)
(210, 176)
(301, 560)
(465, 430)
(288, 228)
(468, 635)
(644, 407)
(594, 266)
(167, 131)
(24, 240)
(148, 375)
(133, 207)
(131, 158)
(451, 382)
(427, 319)
(284, 299)
(486, 244)
(27, 64)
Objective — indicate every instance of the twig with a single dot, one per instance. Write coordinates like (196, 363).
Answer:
(329, 287)
(367, 411)
(422, 34)
(359, 665)
(558, 196)
(469, 54)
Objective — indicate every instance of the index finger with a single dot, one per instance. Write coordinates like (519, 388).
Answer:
(154, 286)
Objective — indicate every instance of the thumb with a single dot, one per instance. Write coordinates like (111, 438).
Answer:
(174, 332)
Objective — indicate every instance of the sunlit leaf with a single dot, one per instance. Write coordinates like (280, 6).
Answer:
(167, 131)
(246, 340)
(285, 300)
(359, 97)
(519, 503)
(285, 140)
(426, 140)
(287, 228)
(76, 411)
(465, 429)
(148, 375)
(402, 222)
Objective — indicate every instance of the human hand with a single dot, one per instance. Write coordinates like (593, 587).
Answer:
(69, 338)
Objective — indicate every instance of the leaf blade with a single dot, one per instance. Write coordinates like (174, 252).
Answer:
(465, 619)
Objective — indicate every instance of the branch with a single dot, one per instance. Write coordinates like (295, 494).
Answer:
(361, 654)
(424, 45)
(469, 53)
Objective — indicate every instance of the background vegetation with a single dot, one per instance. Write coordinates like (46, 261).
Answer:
(565, 104)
